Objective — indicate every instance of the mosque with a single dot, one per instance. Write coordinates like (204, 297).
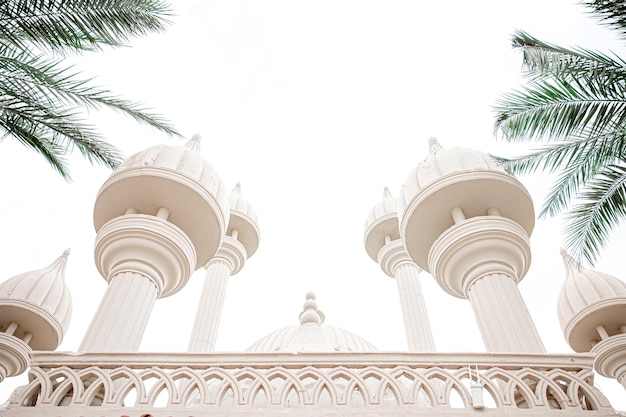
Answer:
(164, 213)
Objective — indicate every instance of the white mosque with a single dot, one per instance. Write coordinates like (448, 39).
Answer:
(164, 213)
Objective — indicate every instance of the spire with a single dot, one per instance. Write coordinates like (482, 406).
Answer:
(386, 193)
(194, 143)
(310, 313)
(433, 146)
(237, 190)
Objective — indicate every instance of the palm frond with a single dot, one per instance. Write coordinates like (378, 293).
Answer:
(612, 13)
(577, 160)
(79, 24)
(61, 87)
(555, 109)
(603, 206)
(545, 59)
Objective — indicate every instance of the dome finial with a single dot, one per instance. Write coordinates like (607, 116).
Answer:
(433, 145)
(310, 313)
(237, 189)
(66, 252)
(570, 263)
(194, 143)
(386, 193)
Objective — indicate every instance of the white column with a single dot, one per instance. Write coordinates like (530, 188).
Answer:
(418, 332)
(229, 260)
(482, 259)
(396, 263)
(502, 315)
(205, 327)
(122, 316)
(143, 258)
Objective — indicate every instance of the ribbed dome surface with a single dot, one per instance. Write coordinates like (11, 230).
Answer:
(38, 298)
(311, 336)
(386, 207)
(589, 298)
(243, 218)
(441, 162)
(382, 222)
(185, 160)
(174, 178)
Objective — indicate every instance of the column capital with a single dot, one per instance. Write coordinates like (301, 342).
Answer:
(476, 247)
(232, 253)
(148, 245)
(393, 256)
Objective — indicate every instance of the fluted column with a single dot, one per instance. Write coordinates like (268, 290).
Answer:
(482, 259)
(122, 316)
(396, 263)
(505, 323)
(143, 257)
(229, 260)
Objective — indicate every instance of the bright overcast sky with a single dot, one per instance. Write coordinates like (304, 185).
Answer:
(314, 106)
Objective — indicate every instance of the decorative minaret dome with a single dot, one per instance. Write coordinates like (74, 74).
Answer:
(161, 215)
(451, 178)
(312, 335)
(243, 223)
(240, 243)
(468, 223)
(35, 311)
(381, 225)
(592, 313)
(383, 245)
(176, 178)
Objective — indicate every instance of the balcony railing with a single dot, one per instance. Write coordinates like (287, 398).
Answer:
(264, 384)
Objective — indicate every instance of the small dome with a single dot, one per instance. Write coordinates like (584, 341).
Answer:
(312, 335)
(243, 218)
(174, 177)
(439, 163)
(40, 303)
(588, 299)
(456, 178)
(381, 224)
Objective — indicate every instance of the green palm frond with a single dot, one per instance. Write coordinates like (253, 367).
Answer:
(612, 13)
(42, 101)
(556, 109)
(577, 160)
(575, 100)
(544, 59)
(32, 111)
(79, 24)
(603, 206)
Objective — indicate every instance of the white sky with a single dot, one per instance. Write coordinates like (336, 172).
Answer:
(314, 107)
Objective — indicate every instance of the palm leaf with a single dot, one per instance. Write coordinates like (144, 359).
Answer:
(79, 24)
(603, 206)
(556, 109)
(544, 59)
(612, 13)
(578, 160)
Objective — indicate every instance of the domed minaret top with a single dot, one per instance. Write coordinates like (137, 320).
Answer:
(243, 220)
(39, 302)
(381, 225)
(176, 178)
(589, 299)
(457, 177)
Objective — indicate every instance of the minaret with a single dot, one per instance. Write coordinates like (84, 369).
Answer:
(468, 223)
(383, 245)
(160, 216)
(240, 243)
(35, 311)
(592, 313)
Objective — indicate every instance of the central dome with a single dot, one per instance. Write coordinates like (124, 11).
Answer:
(312, 335)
